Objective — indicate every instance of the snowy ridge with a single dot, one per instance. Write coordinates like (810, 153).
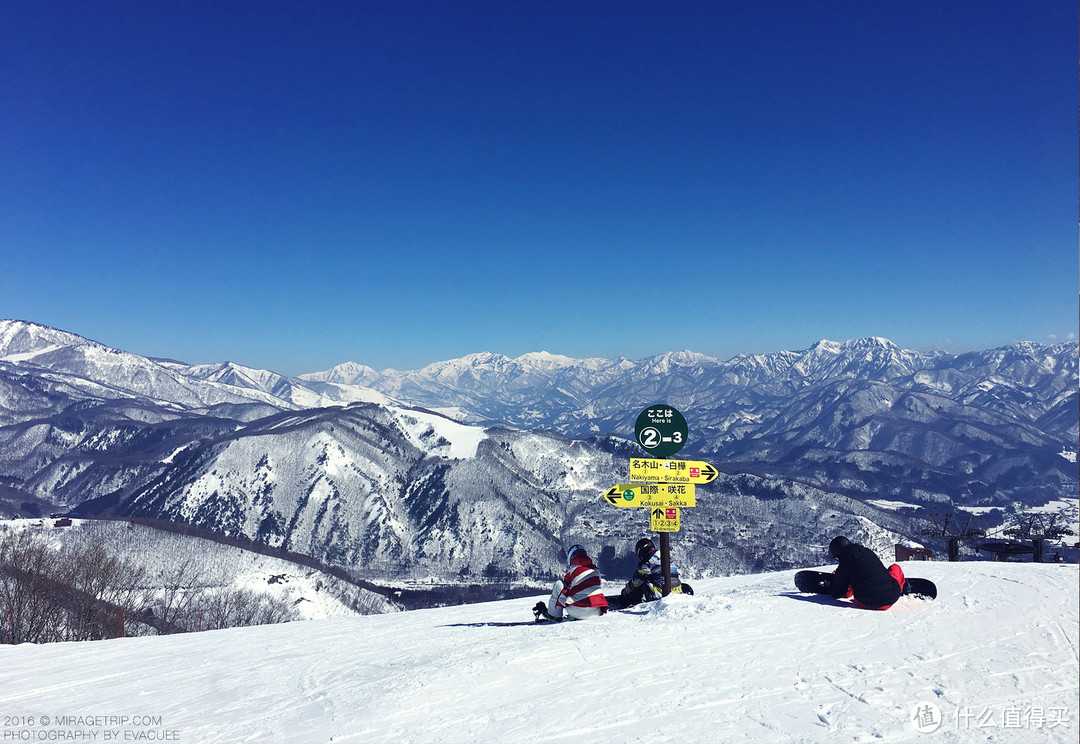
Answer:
(451, 439)
(69, 368)
(747, 659)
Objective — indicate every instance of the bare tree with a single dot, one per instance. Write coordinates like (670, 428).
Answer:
(234, 608)
(173, 610)
(29, 571)
(101, 592)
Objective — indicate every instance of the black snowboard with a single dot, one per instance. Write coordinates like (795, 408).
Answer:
(813, 582)
(920, 587)
(819, 582)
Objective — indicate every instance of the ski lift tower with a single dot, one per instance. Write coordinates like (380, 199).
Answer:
(1031, 527)
(953, 538)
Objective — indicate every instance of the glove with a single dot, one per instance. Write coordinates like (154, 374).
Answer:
(539, 610)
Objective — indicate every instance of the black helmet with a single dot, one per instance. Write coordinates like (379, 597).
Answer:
(837, 546)
(644, 549)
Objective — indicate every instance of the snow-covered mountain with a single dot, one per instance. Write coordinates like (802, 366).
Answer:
(484, 467)
(395, 493)
(45, 371)
(747, 659)
(585, 396)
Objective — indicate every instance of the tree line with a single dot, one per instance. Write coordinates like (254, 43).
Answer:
(53, 592)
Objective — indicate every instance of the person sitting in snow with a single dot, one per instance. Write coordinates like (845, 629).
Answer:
(578, 594)
(647, 583)
(862, 576)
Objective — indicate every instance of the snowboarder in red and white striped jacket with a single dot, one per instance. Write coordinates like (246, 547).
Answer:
(578, 594)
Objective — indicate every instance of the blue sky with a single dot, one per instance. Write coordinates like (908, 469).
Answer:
(292, 185)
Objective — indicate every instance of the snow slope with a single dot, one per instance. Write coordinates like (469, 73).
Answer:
(745, 660)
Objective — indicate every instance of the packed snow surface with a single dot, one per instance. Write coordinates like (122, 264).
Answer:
(747, 659)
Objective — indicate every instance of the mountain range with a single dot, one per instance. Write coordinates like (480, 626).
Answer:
(864, 416)
(487, 466)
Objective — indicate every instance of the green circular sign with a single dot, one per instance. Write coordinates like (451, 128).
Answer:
(660, 430)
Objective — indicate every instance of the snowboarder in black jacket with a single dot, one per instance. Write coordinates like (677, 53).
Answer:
(647, 583)
(863, 576)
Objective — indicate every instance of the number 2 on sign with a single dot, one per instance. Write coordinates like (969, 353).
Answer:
(650, 438)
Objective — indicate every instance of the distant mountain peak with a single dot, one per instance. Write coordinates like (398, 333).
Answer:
(25, 337)
(346, 373)
(855, 344)
(546, 358)
(871, 342)
(686, 357)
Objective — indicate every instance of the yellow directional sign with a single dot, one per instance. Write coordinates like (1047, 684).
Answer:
(671, 471)
(651, 495)
(664, 519)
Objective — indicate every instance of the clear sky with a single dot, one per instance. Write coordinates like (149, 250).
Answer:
(291, 185)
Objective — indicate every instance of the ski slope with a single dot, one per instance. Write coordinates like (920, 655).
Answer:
(745, 660)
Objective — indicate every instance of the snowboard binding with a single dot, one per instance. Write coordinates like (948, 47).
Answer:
(541, 614)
